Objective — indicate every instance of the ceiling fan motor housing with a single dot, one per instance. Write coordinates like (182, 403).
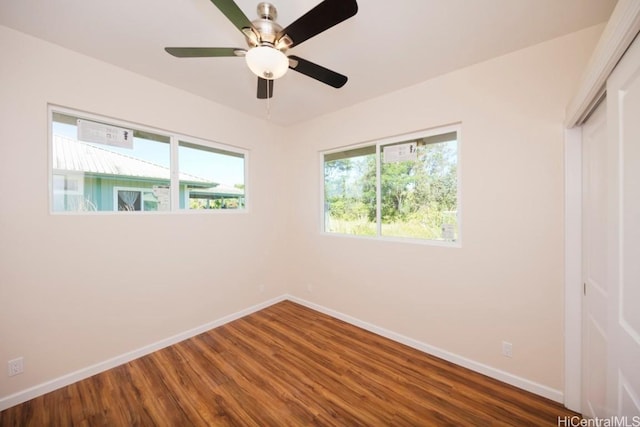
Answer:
(267, 11)
(266, 24)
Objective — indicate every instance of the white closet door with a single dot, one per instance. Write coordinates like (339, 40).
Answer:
(623, 118)
(594, 262)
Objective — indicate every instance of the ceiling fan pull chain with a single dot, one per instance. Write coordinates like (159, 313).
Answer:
(269, 95)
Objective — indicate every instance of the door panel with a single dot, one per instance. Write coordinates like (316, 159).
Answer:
(595, 376)
(630, 283)
(623, 91)
(594, 242)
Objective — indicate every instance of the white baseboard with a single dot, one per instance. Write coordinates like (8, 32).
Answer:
(65, 380)
(39, 390)
(514, 380)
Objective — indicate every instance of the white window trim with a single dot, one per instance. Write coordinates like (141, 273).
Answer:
(455, 127)
(174, 140)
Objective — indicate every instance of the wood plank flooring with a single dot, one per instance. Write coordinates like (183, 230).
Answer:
(286, 365)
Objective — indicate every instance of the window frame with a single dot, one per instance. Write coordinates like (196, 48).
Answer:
(200, 144)
(174, 140)
(379, 143)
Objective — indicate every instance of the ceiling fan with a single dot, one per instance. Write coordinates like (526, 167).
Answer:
(268, 42)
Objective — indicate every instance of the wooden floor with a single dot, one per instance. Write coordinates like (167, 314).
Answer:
(286, 365)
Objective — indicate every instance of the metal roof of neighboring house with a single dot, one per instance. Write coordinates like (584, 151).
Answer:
(77, 156)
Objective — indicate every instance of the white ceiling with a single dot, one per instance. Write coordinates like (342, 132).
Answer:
(386, 46)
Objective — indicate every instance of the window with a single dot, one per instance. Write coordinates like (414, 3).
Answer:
(99, 165)
(197, 160)
(404, 187)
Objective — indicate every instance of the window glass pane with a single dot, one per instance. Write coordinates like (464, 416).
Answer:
(101, 167)
(350, 191)
(418, 180)
(210, 178)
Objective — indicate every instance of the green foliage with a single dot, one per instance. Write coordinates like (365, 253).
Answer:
(196, 203)
(417, 196)
(359, 227)
(349, 209)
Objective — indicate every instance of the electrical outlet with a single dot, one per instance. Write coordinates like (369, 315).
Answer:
(507, 349)
(261, 287)
(309, 287)
(15, 366)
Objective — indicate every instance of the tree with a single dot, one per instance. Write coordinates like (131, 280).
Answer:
(397, 181)
(416, 193)
(336, 173)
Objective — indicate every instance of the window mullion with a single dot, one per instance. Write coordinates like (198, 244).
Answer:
(175, 175)
(378, 193)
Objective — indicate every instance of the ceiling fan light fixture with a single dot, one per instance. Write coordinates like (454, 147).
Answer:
(267, 62)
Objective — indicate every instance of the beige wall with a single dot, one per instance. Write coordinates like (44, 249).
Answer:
(78, 290)
(71, 294)
(506, 282)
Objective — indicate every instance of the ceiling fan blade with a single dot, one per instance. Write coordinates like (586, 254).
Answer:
(204, 52)
(320, 18)
(265, 88)
(317, 72)
(233, 13)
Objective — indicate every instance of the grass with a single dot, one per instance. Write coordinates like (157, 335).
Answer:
(363, 227)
